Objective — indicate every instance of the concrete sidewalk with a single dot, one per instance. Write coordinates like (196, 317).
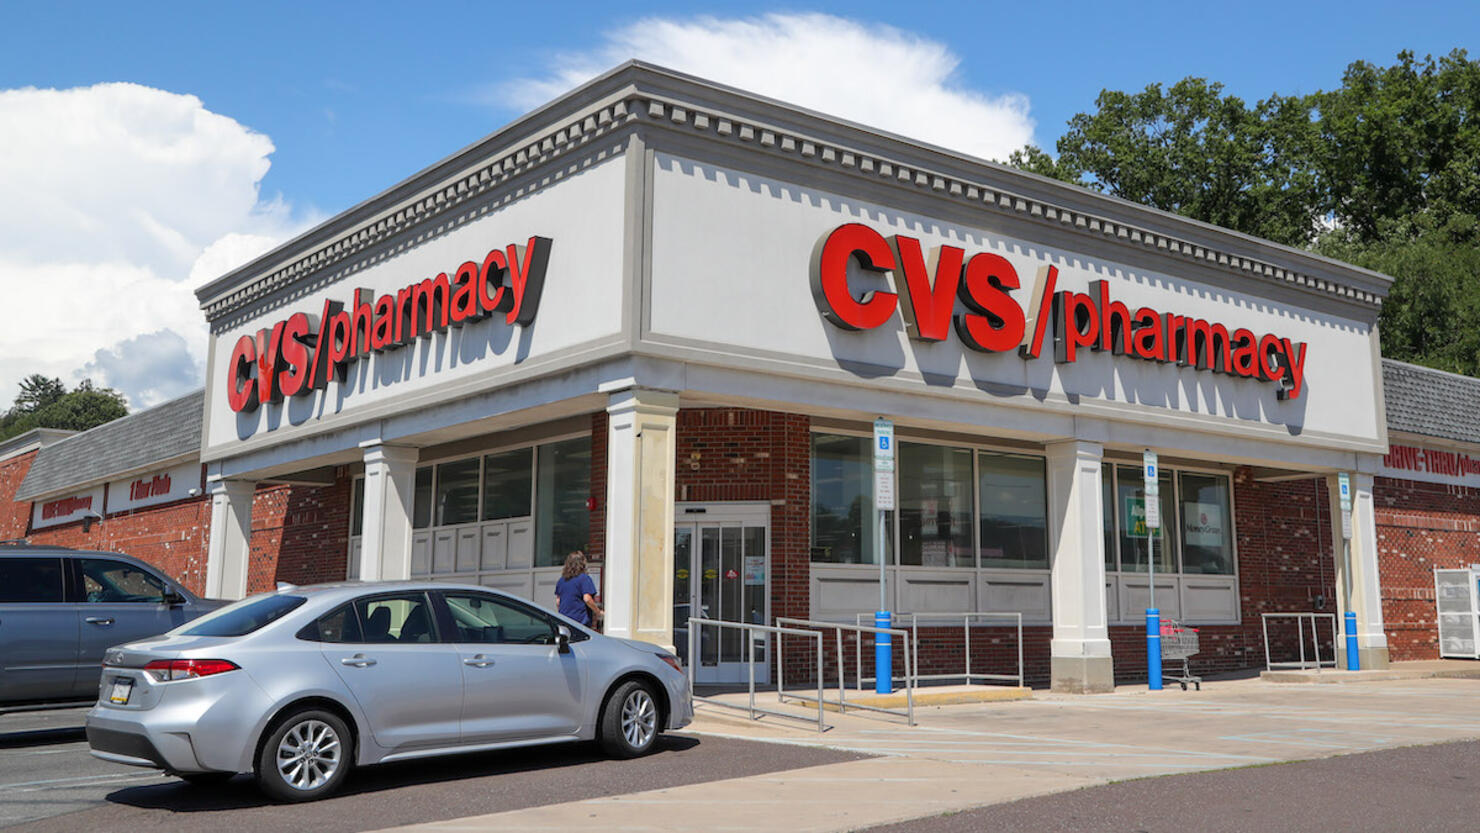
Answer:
(965, 756)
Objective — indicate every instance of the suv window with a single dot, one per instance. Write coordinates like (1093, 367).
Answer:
(109, 581)
(401, 618)
(478, 618)
(36, 580)
(243, 617)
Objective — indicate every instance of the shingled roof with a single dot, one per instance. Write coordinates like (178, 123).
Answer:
(127, 444)
(1431, 403)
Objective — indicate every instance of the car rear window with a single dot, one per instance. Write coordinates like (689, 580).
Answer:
(243, 617)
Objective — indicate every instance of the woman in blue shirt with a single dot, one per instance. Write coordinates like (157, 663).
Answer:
(576, 591)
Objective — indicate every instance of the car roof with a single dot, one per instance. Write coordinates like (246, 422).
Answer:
(344, 590)
(9, 550)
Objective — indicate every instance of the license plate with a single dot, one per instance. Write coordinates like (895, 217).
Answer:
(122, 688)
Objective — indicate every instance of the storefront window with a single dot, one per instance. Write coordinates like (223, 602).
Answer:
(421, 511)
(457, 492)
(562, 522)
(357, 507)
(1131, 504)
(1014, 511)
(508, 482)
(934, 506)
(842, 500)
(1207, 542)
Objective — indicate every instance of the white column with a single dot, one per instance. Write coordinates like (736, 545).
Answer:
(1358, 582)
(229, 548)
(390, 486)
(1080, 651)
(641, 448)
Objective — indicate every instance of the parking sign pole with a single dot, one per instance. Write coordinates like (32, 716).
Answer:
(883, 502)
(1152, 513)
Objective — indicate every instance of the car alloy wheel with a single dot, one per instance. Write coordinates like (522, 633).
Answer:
(305, 755)
(309, 755)
(630, 720)
(639, 719)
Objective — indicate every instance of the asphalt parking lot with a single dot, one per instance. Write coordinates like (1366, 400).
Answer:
(48, 782)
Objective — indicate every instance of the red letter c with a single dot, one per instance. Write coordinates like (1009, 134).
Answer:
(241, 388)
(830, 277)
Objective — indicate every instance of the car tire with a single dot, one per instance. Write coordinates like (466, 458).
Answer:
(206, 779)
(305, 756)
(630, 721)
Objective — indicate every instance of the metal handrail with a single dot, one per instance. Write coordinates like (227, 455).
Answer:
(966, 626)
(1300, 618)
(842, 701)
(695, 626)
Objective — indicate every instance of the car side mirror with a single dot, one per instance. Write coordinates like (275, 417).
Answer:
(173, 597)
(562, 639)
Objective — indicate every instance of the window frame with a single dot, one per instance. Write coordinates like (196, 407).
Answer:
(394, 594)
(79, 580)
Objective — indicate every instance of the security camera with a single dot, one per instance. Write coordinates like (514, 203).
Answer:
(194, 492)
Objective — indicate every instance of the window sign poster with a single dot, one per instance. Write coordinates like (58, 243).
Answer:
(929, 517)
(1203, 523)
(1135, 514)
(755, 569)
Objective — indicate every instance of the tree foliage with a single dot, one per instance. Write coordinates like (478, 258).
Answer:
(1383, 171)
(45, 402)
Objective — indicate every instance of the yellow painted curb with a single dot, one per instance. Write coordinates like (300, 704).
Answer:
(926, 697)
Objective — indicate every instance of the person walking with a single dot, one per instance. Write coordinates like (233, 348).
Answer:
(576, 592)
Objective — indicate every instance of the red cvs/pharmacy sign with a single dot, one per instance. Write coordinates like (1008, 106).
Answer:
(300, 354)
(994, 320)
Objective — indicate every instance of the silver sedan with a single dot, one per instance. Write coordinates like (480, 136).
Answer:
(299, 685)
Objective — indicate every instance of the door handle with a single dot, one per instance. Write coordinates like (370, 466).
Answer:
(99, 620)
(478, 661)
(357, 661)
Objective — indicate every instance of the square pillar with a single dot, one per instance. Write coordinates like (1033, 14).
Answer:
(1080, 651)
(229, 547)
(390, 487)
(1358, 582)
(641, 449)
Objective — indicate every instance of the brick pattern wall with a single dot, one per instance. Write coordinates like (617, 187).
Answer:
(1420, 526)
(300, 534)
(15, 518)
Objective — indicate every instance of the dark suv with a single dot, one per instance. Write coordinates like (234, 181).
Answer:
(61, 608)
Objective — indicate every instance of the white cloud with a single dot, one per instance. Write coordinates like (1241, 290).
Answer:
(120, 199)
(872, 74)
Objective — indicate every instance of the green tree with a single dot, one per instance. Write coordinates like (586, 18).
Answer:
(1383, 172)
(84, 407)
(37, 392)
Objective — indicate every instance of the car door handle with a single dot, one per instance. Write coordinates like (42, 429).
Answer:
(478, 661)
(99, 620)
(357, 661)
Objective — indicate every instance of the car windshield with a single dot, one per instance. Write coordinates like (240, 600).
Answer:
(243, 617)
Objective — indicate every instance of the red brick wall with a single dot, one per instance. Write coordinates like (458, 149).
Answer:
(299, 534)
(1420, 526)
(15, 518)
(172, 537)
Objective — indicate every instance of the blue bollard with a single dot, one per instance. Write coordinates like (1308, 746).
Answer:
(1153, 648)
(1353, 657)
(883, 655)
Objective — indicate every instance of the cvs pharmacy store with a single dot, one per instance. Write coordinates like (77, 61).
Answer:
(656, 319)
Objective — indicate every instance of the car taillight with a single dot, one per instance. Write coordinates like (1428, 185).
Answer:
(165, 670)
(671, 660)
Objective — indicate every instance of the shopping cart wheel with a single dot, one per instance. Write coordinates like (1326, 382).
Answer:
(1184, 686)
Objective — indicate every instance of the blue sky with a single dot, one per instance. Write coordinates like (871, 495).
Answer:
(355, 96)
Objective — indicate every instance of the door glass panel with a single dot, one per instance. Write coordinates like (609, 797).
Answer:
(30, 580)
(104, 580)
(731, 582)
(753, 575)
(396, 619)
(709, 595)
(683, 556)
(485, 619)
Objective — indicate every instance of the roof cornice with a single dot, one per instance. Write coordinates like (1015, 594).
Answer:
(636, 92)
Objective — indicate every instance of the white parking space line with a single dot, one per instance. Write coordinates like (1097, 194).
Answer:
(77, 781)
